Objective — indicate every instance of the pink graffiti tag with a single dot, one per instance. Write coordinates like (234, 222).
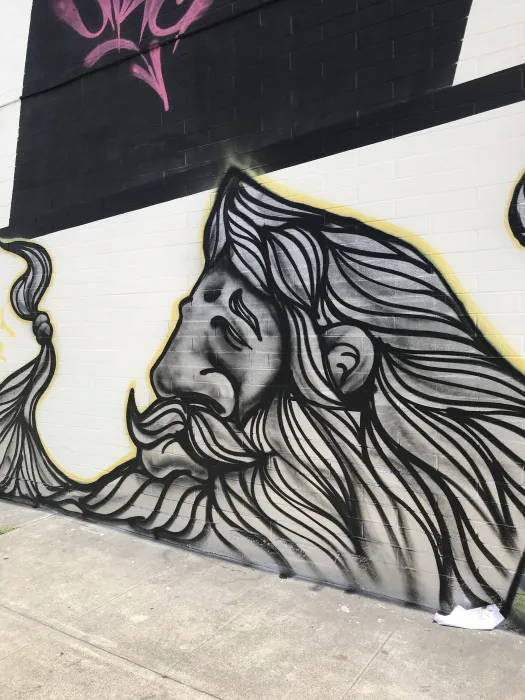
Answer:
(113, 14)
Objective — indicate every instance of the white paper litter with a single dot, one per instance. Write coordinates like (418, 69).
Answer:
(475, 619)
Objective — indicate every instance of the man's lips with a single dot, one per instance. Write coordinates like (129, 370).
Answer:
(162, 422)
(202, 402)
(186, 434)
(156, 432)
(168, 458)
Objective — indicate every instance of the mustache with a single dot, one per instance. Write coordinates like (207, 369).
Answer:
(195, 423)
(163, 420)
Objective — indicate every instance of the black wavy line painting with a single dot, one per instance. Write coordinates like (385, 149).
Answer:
(325, 407)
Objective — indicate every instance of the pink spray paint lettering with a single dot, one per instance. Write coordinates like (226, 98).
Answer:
(109, 32)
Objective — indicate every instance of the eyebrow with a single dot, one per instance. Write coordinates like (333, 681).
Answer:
(239, 308)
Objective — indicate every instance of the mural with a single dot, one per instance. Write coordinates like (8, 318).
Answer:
(324, 397)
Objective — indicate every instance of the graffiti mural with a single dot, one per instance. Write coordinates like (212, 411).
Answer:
(324, 397)
(111, 33)
(168, 93)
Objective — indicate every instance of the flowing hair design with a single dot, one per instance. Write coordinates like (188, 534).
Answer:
(390, 446)
(25, 468)
(437, 445)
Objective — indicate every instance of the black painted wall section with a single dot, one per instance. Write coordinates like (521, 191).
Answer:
(262, 84)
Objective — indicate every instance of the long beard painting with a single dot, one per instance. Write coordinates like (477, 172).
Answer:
(337, 415)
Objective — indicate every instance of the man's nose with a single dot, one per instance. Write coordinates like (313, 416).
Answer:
(187, 367)
(174, 372)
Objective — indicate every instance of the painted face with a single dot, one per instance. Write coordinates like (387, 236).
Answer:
(226, 348)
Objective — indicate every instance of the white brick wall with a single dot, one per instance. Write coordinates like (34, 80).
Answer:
(494, 39)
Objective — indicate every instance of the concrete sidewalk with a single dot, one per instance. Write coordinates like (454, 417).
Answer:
(88, 612)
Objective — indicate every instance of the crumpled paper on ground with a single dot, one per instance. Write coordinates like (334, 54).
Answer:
(486, 618)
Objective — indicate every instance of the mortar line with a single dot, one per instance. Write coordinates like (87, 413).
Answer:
(102, 650)
(368, 663)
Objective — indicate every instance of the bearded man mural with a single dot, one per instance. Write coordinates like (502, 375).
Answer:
(325, 407)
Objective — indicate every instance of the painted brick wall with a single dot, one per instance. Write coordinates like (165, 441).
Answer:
(435, 167)
(434, 185)
(13, 44)
(246, 88)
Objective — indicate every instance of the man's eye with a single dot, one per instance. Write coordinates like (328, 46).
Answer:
(211, 295)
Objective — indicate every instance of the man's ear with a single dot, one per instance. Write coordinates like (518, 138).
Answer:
(517, 212)
(349, 356)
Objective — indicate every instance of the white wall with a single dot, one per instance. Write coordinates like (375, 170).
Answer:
(116, 281)
(494, 39)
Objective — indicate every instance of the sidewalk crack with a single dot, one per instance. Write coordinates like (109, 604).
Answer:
(369, 663)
